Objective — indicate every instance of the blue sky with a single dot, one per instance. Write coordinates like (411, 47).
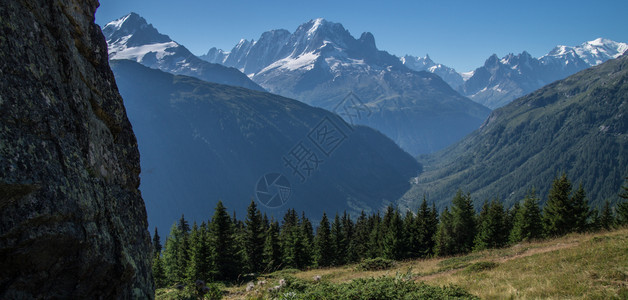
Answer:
(460, 34)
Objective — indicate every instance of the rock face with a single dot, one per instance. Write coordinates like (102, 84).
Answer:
(72, 220)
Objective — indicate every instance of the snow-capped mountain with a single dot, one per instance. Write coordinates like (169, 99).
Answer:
(453, 78)
(322, 64)
(500, 81)
(132, 38)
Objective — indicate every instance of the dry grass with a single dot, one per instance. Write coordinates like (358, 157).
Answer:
(577, 266)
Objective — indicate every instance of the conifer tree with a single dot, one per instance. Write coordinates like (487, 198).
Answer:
(199, 266)
(347, 233)
(307, 237)
(159, 274)
(581, 211)
(359, 242)
(171, 256)
(411, 232)
(607, 220)
(558, 216)
(491, 233)
(527, 224)
(375, 236)
(463, 217)
(393, 246)
(445, 243)
(156, 243)
(337, 238)
(253, 239)
(323, 244)
(223, 245)
(272, 248)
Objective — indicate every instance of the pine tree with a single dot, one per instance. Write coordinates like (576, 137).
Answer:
(171, 254)
(527, 224)
(558, 216)
(337, 239)
(156, 243)
(199, 266)
(445, 244)
(307, 234)
(359, 242)
(581, 211)
(323, 244)
(411, 231)
(375, 236)
(253, 239)
(223, 244)
(463, 217)
(491, 233)
(159, 274)
(393, 246)
(347, 233)
(272, 248)
(607, 220)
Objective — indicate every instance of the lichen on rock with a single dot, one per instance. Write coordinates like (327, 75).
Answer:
(72, 220)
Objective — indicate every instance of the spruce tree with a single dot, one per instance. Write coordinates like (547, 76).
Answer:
(558, 218)
(272, 248)
(199, 266)
(445, 243)
(527, 224)
(393, 246)
(323, 244)
(607, 220)
(159, 274)
(173, 272)
(375, 236)
(463, 217)
(223, 245)
(156, 243)
(411, 232)
(581, 211)
(347, 233)
(359, 242)
(253, 239)
(491, 233)
(307, 239)
(337, 238)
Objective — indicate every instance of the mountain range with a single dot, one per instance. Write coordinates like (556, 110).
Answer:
(499, 81)
(131, 37)
(321, 64)
(577, 125)
(202, 142)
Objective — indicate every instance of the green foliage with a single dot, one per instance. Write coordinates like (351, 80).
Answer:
(272, 248)
(491, 233)
(223, 245)
(527, 221)
(337, 240)
(564, 213)
(323, 242)
(375, 264)
(463, 223)
(159, 274)
(156, 243)
(254, 239)
(445, 243)
(381, 288)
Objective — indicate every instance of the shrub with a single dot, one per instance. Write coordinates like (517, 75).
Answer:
(374, 264)
(481, 266)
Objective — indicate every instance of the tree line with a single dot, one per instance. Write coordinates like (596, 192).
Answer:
(225, 248)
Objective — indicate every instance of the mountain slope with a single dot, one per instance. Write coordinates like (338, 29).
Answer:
(201, 142)
(577, 125)
(321, 63)
(131, 37)
(449, 75)
(500, 81)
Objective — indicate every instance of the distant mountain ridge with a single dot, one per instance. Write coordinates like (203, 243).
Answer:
(202, 142)
(500, 81)
(577, 125)
(131, 37)
(320, 63)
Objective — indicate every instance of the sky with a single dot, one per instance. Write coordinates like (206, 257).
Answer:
(459, 34)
